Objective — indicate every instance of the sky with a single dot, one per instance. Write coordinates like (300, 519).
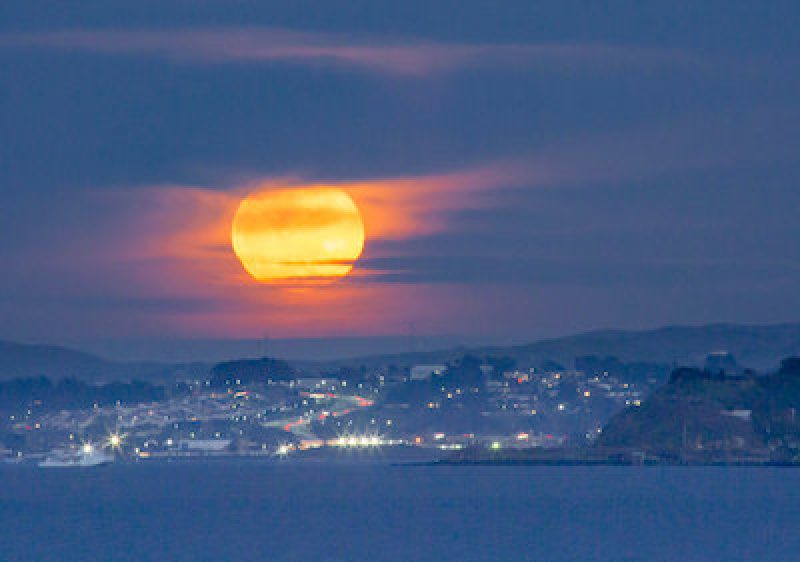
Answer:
(523, 169)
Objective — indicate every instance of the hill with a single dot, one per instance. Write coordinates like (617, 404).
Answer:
(699, 416)
(758, 347)
(249, 371)
(27, 360)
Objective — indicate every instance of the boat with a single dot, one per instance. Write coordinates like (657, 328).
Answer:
(87, 456)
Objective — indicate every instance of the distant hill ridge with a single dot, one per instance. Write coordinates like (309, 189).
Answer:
(18, 360)
(752, 345)
(759, 347)
(755, 346)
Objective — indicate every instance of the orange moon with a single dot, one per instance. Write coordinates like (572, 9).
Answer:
(309, 232)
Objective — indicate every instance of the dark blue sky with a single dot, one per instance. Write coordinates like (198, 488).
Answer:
(526, 169)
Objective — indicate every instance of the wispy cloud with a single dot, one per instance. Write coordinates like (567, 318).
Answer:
(192, 224)
(188, 222)
(397, 56)
(170, 244)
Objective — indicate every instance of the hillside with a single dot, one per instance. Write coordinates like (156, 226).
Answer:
(701, 416)
(758, 347)
(26, 360)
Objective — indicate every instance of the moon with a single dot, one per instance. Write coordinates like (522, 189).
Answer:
(301, 233)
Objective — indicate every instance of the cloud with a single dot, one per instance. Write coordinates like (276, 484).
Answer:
(193, 223)
(171, 244)
(607, 212)
(400, 56)
(187, 228)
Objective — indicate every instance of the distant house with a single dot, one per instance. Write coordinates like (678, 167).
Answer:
(424, 372)
(314, 383)
(205, 445)
(741, 414)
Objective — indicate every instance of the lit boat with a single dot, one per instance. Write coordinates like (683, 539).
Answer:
(86, 456)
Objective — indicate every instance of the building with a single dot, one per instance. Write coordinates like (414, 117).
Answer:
(424, 372)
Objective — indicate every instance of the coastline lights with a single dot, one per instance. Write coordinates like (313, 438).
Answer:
(87, 448)
(284, 450)
(352, 441)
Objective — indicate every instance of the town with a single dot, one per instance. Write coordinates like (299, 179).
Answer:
(266, 408)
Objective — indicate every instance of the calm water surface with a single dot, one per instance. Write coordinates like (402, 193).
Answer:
(298, 511)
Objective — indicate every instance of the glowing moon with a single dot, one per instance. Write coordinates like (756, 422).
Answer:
(306, 232)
